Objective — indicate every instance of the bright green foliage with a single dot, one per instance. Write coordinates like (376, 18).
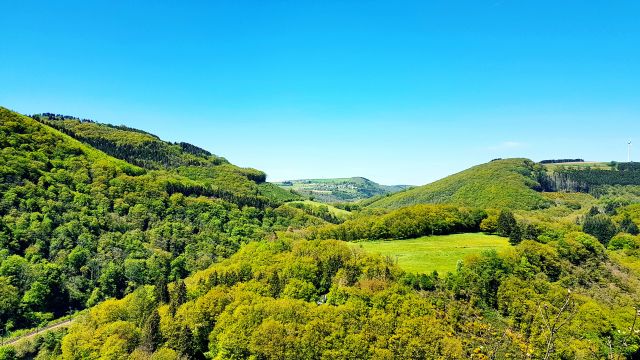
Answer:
(326, 212)
(624, 242)
(405, 223)
(81, 228)
(509, 183)
(78, 226)
(373, 310)
(148, 151)
(132, 145)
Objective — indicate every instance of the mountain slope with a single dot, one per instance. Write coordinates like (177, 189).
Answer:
(508, 183)
(150, 152)
(339, 189)
(78, 226)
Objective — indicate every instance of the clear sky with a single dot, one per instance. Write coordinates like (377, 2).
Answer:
(396, 91)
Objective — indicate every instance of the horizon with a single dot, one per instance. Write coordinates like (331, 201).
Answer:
(404, 93)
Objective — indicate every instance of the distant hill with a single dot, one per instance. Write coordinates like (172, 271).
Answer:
(340, 189)
(508, 183)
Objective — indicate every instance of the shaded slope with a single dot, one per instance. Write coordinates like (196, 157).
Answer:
(508, 183)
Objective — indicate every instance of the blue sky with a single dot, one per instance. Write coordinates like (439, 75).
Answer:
(396, 91)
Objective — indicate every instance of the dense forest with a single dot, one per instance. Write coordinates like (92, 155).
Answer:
(590, 180)
(78, 226)
(174, 253)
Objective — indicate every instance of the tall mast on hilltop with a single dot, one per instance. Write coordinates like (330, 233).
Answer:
(629, 151)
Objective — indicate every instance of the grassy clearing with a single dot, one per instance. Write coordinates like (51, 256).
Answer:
(440, 253)
(339, 213)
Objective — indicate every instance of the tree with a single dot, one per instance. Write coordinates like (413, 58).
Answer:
(275, 284)
(8, 299)
(162, 291)
(555, 319)
(506, 223)
(185, 343)
(516, 235)
(601, 227)
(179, 297)
(627, 225)
(112, 280)
(152, 337)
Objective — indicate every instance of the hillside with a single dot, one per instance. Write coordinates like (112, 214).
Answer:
(78, 225)
(590, 177)
(339, 189)
(148, 151)
(509, 183)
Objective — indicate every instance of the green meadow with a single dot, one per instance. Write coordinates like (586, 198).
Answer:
(429, 253)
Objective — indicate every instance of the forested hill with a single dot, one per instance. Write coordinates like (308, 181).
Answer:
(150, 152)
(339, 189)
(78, 226)
(135, 146)
(509, 183)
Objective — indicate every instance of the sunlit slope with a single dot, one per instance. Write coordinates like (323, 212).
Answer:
(509, 183)
(146, 150)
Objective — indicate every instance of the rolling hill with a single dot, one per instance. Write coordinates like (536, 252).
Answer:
(509, 183)
(340, 189)
(148, 151)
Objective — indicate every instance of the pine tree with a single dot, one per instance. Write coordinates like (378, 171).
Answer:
(178, 297)
(152, 337)
(162, 291)
(275, 284)
(186, 344)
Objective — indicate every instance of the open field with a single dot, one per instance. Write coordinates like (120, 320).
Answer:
(339, 213)
(594, 165)
(440, 253)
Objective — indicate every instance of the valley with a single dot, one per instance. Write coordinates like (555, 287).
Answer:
(163, 250)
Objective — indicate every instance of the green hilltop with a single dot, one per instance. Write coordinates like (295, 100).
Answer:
(339, 189)
(508, 183)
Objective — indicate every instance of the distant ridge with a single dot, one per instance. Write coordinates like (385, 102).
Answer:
(339, 189)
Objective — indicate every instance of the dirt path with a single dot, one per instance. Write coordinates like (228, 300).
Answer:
(37, 332)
